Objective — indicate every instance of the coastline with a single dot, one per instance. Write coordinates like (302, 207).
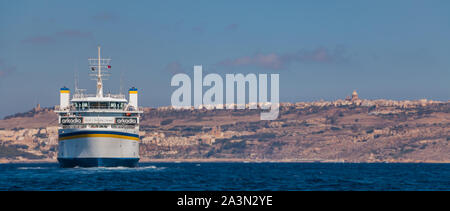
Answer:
(313, 133)
(232, 160)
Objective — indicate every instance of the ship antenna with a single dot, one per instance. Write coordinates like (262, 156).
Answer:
(121, 83)
(76, 80)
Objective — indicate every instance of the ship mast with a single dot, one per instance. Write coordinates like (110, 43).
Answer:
(99, 76)
(99, 65)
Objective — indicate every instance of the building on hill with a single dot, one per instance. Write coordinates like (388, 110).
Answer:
(37, 108)
(354, 99)
(354, 96)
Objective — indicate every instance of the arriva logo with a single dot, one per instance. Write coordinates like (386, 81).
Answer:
(213, 97)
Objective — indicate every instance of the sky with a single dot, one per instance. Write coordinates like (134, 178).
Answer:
(321, 49)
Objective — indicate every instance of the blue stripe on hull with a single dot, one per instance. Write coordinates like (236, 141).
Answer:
(97, 132)
(97, 162)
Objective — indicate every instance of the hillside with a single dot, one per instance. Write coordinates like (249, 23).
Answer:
(339, 131)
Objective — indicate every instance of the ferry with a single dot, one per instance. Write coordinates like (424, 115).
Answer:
(98, 130)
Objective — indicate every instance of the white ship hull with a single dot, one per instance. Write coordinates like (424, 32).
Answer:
(90, 148)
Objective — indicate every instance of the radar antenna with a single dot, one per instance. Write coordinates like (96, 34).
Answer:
(78, 91)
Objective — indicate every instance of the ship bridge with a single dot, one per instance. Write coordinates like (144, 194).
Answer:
(87, 102)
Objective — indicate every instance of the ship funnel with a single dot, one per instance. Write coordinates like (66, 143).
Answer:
(64, 98)
(133, 99)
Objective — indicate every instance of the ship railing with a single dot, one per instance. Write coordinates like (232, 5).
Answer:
(98, 108)
(132, 126)
(124, 126)
(82, 95)
(73, 126)
(109, 109)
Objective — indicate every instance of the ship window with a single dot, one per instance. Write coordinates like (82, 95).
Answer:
(104, 105)
(77, 105)
(93, 105)
(99, 105)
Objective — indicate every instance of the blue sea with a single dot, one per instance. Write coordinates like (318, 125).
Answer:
(229, 176)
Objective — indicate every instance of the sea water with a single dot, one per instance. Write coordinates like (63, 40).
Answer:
(229, 176)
